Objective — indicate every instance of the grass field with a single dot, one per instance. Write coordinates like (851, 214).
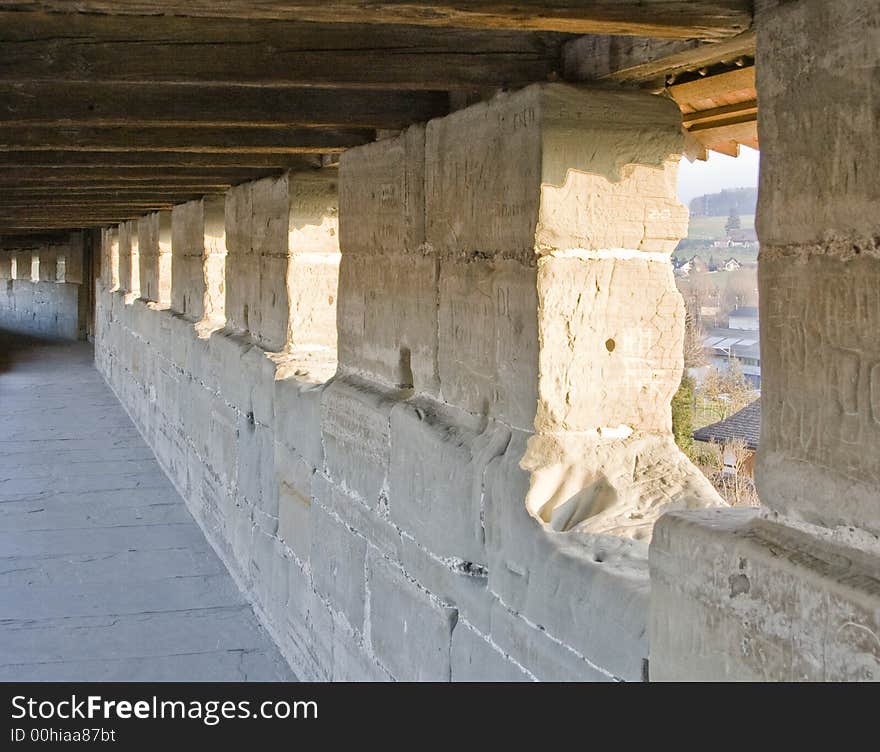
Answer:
(712, 228)
(703, 231)
(746, 256)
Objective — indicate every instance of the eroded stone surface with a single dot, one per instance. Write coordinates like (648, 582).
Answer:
(40, 289)
(154, 257)
(445, 477)
(555, 167)
(778, 603)
(792, 593)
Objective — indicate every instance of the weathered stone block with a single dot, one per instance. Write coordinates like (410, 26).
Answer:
(294, 476)
(488, 339)
(410, 630)
(617, 361)
(819, 458)
(268, 573)
(388, 277)
(271, 328)
(148, 255)
(309, 629)
(313, 291)
(604, 611)
(188, 286)
(388, 319)
(545, 658)
(256, 480)
(313, 219)
(440, 502)
(183, 347)
(239, 219)
(270, 206)
(355, 425)
(229, 376)
(820, 243)
(47, 263)
(456, 583)
(555, 167)
(171, 451)
(74, 258)
(258, 380)
(128, 257)
(242, 294)
(20, 266)
(154, 248)
(187, 259)
(618, 486)
(370, 523)
(381, 195)
(474, 659)
(163, 285)
(238, 528)
(739, 596)
(297, 418)
(815, 190)
(222, 442)
(214, 252)
(351, 663)
(257, 266)
(337, 562)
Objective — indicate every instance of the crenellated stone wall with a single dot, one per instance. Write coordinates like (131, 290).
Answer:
(40, 289)
(467, 491)
(154, 258)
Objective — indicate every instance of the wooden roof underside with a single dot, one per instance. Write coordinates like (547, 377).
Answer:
(120, 108)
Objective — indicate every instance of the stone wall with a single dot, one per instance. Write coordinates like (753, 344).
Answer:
(40, 289)
(792, 591)
(467, 493)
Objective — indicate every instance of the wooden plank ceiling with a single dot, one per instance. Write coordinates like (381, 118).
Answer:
(112, 109)
(720, 112)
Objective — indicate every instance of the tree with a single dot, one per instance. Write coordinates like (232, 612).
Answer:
(737, 488)
(733, 221)
(739, 389)
(683, 414)
(694, 355)
(741, 290)
(727, 391)
(698, 291)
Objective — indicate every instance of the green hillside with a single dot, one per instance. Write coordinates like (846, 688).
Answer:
(704, 231)
(712, 228)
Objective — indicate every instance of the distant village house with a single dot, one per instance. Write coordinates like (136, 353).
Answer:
(736, 435)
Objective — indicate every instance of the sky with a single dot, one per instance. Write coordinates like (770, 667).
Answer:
(716, 173)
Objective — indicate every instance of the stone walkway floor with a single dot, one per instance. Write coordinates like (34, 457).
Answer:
(104, 575)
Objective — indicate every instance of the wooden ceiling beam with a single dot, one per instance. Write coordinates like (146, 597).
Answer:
(38, 193)
(28, 208)
(707, 93)
(12, 241)
(85, 175)
(194, 140)
(642, 60)
(157, 160)
(132, 49)
(175, 105)
(658, 18)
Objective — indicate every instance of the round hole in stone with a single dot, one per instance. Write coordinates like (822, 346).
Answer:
(610, 345)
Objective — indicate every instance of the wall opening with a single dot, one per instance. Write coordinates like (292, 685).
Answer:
(716, 412)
